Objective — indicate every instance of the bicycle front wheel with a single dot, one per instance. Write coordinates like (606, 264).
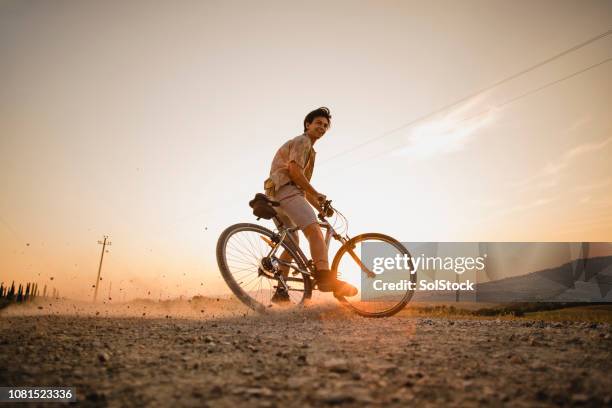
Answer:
(349, 263)
(243, 258)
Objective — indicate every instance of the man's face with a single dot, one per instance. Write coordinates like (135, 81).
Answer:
(317, 127)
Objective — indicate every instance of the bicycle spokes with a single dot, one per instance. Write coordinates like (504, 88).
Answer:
(351, 265)
(250, 261)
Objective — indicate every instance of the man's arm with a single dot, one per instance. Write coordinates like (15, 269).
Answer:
(313, 201)
(297, 176)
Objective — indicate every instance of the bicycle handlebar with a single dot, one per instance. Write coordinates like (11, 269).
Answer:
(339, 225)
(326, 210)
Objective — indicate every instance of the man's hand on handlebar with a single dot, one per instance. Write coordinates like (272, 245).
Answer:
(325, 205)
(321, 203)
(326, 209)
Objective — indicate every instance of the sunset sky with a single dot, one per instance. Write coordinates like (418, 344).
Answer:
(155, 122)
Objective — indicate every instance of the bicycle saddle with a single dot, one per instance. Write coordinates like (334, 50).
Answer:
(263, 207)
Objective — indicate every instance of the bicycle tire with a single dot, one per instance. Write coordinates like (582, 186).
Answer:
(230, 278)
(343, 250)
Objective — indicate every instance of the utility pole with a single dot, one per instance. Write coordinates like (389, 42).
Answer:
(104, 244)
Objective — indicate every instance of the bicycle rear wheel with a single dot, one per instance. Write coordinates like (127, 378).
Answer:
(242, 256)
(348, 263)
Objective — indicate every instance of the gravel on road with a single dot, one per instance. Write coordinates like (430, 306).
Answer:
(316, 357)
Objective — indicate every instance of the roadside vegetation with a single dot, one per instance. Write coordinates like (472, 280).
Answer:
(593, 312)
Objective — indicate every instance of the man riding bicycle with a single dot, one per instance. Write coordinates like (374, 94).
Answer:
(289, 184)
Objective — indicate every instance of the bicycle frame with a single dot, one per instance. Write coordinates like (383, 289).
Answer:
(330, 232)
(285, 233)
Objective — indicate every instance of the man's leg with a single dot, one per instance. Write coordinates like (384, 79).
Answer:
(326, 279)
(286, 256)
(294, 205)
(318, 249)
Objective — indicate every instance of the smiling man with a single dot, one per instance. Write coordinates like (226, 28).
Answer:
(289, 184)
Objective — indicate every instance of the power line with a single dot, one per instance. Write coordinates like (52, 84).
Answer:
(509, 101)
(472, 95)
(448, 106)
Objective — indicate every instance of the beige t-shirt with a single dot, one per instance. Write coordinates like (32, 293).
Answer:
(300, 150)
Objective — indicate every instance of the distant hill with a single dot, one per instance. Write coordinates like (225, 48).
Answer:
(582, 280)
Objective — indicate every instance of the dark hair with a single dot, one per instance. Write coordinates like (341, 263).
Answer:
(322, 112)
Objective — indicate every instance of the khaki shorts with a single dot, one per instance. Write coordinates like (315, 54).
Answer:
(294, 210)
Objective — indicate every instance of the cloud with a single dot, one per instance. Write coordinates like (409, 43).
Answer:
(586, 148)
(448, 134)
(546, 176)
(579, 123)
(593, 186)
(523, 207)
(519, 208)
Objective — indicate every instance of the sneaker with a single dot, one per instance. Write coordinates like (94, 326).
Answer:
(280, 296)
(328, 282)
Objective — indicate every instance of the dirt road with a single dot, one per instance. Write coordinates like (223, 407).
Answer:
(322, 356)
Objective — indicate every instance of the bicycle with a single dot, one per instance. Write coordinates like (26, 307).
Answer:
(247, 256)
